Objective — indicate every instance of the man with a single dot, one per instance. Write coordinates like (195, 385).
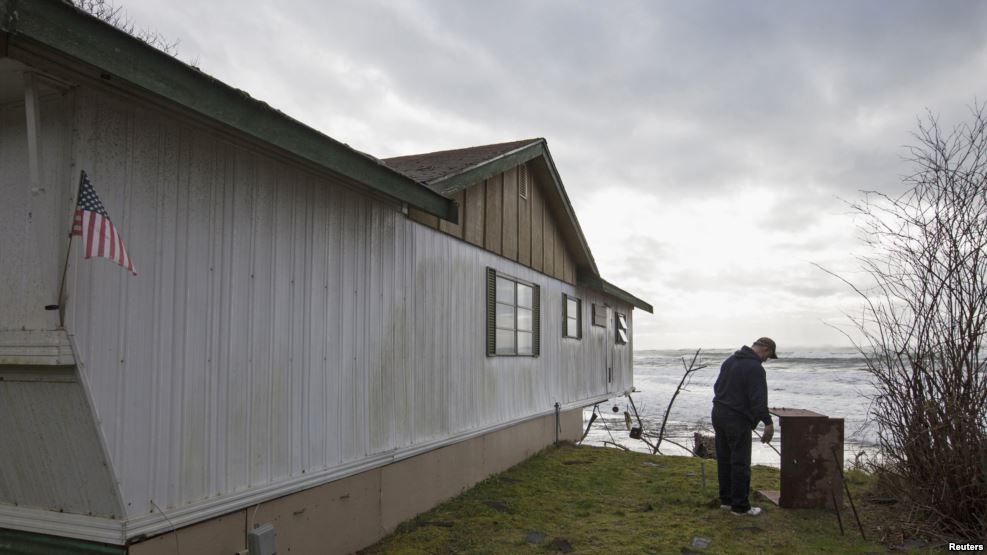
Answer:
(740, 402)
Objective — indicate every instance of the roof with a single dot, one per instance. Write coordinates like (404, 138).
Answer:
(36, 29)
(104, 52)
(605, 286)
(448, 171)
(436, 166)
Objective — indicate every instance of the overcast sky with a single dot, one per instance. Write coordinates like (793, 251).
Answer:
(706, 146)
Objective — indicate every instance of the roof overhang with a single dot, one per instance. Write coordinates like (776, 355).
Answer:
(58, 26)
(607, 288)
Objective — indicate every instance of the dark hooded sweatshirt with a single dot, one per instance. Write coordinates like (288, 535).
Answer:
(743, 388)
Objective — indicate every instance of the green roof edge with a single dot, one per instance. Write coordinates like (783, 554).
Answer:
(506, 161)
(488, 168)
(608, 288)
(62, 27)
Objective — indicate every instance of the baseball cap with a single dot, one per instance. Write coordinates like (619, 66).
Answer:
(769, 344)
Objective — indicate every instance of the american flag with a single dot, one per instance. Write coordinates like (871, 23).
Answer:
(92, 223)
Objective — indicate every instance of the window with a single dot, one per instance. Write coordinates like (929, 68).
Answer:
(599, 315)
(572, 317)
(513, 316)
(621, 336)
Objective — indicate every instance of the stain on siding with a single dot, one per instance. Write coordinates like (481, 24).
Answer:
(283, 323)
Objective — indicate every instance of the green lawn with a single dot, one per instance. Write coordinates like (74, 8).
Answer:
(611, 501)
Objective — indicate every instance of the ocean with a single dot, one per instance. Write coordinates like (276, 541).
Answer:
(828, 381)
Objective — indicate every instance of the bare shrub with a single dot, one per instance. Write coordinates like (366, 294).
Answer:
(924, 326)
(106, 11)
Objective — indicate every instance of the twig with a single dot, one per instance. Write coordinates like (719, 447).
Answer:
(846, 487)
(689, 369)
(759, 436)
(591, 420)
(617, 445)
(636, 415)
(836, 506)
(675, 443)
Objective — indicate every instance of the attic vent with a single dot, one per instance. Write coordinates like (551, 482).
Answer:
(522, 181)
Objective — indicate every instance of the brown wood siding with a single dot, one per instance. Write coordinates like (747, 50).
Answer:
(423, 217)
(559, 248)
(494, 217)
(537, 226)
(474, 209)
(548, 240)
(510, 223)
(570, 269)
(456, 230)
(495, 195)
(566, 264)
(524, 228)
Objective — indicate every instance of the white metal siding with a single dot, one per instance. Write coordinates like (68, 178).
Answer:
(66, 471)
(281, 323)
(34, 225)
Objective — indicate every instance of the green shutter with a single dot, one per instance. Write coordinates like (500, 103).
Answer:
(491, 312)
(536, 324)
(579, 318)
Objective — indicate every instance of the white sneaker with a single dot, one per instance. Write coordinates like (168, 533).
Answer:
(754, 511)
(725, 507)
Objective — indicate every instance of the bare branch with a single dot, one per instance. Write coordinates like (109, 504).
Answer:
(924, 323)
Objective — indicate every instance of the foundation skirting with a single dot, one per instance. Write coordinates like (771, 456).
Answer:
(355, 512)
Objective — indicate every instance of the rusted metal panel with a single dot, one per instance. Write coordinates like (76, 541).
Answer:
(795, 413)
(810, 476)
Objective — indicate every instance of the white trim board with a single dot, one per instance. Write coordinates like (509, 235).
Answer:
(35, 348)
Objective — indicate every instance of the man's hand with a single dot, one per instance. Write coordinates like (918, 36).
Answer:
(769, 432)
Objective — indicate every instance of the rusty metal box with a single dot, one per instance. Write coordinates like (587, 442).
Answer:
(811, 456)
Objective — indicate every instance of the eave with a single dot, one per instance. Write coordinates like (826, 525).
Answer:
(60, 27)
(608, 288)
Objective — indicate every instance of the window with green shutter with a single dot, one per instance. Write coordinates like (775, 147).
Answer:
(513, 316)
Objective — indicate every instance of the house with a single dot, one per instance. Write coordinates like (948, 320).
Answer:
(316, 339)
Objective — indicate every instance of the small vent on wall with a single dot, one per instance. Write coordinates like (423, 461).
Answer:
(522, 181)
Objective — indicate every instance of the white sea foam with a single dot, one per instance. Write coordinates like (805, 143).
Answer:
(828, 381)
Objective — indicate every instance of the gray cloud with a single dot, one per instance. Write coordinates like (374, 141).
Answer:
(685, 101)
(684, 97)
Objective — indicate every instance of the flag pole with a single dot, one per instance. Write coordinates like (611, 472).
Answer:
(60, 306)
(61, 286)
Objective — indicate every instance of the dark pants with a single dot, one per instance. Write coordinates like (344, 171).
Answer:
(733, 458)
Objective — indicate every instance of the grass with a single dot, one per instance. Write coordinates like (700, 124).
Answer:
(611, 501)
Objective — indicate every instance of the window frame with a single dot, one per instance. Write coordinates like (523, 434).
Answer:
(620, 325)
(493, 275)
(566, 317)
